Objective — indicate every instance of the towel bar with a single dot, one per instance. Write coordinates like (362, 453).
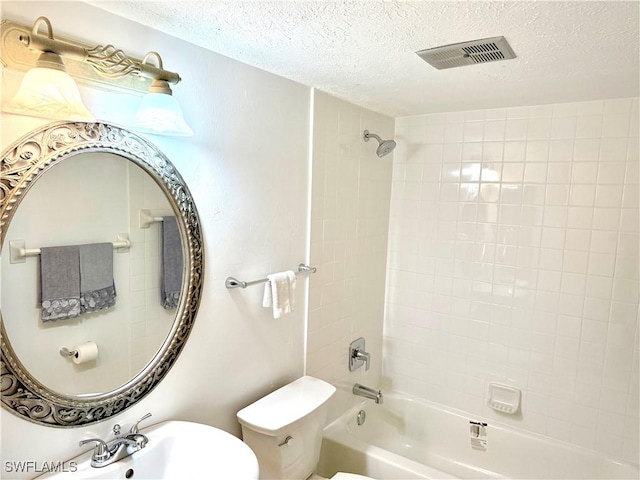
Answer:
(147, 217)
(18, 253)
(231, 282)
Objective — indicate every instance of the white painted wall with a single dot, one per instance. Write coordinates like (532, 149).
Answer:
(247, 168)
(350, 192)
(514, 258)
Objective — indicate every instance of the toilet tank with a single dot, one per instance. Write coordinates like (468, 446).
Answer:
(284, 429)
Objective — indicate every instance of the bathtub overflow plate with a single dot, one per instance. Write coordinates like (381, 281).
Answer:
(361, 417)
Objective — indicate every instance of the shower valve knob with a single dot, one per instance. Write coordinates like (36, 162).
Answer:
(364, 356)
(358, 355)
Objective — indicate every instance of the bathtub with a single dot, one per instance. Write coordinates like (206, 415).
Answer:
(409, 438)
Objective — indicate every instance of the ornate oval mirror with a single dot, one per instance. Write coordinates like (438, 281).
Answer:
(89, 184)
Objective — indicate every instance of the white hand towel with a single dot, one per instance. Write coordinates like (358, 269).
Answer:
(280, 293)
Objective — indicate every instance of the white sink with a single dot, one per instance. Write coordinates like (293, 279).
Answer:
(176, 450)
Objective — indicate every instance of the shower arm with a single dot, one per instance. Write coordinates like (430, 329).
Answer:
(368, 134)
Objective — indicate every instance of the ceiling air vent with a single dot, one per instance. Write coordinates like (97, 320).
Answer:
(468, 53)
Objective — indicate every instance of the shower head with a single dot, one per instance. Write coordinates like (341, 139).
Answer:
(385, 147)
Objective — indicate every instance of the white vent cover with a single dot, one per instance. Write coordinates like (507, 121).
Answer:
(468, 53)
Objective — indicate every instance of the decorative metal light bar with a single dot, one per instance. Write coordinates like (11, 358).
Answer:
(48, 91)
(108, 61)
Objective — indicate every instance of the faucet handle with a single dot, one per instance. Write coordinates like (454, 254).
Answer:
(358, 355)
(101, 452)
(134, 428)
(364, 356)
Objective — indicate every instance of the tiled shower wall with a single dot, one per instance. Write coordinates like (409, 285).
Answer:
(513, 258)
(150, 322)
(351, 189)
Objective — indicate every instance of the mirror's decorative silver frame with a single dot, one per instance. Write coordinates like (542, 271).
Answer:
(22, 163)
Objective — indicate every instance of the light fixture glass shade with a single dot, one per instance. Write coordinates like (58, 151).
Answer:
(160, 114)
(48, 93)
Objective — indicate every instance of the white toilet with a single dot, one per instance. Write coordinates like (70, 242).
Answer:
(284, 429)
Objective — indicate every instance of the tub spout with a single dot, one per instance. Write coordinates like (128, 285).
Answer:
(367, 392)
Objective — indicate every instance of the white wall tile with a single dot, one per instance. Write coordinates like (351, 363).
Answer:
(611, 173)
(542, 273)
(609, 196)
(561, 150)
(559, 173)
(589, 126)
(352, 228)
(539, 128)
(583, 195)
(586, 150)
(584, 172)
(563, 127)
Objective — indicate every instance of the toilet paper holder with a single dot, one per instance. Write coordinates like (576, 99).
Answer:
(65, 352)
(81, 353)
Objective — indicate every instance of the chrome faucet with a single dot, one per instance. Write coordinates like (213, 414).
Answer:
(120, 447)
(358, 356)
(366, 392)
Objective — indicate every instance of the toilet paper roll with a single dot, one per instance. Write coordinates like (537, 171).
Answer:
(85, 352)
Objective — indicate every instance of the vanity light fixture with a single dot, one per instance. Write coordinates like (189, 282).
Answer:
(159, 112)
(48, 91)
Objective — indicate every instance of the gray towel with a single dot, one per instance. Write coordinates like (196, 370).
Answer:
(172, 263)
(97, 289)
(60, 282)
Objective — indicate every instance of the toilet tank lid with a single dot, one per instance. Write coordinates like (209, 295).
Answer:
(286, 405)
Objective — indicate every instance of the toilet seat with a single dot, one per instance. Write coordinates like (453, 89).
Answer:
(349, 476)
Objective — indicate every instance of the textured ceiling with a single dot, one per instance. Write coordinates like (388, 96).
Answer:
(364, 51)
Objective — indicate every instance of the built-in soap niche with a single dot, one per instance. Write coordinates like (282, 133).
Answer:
(504, 399)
